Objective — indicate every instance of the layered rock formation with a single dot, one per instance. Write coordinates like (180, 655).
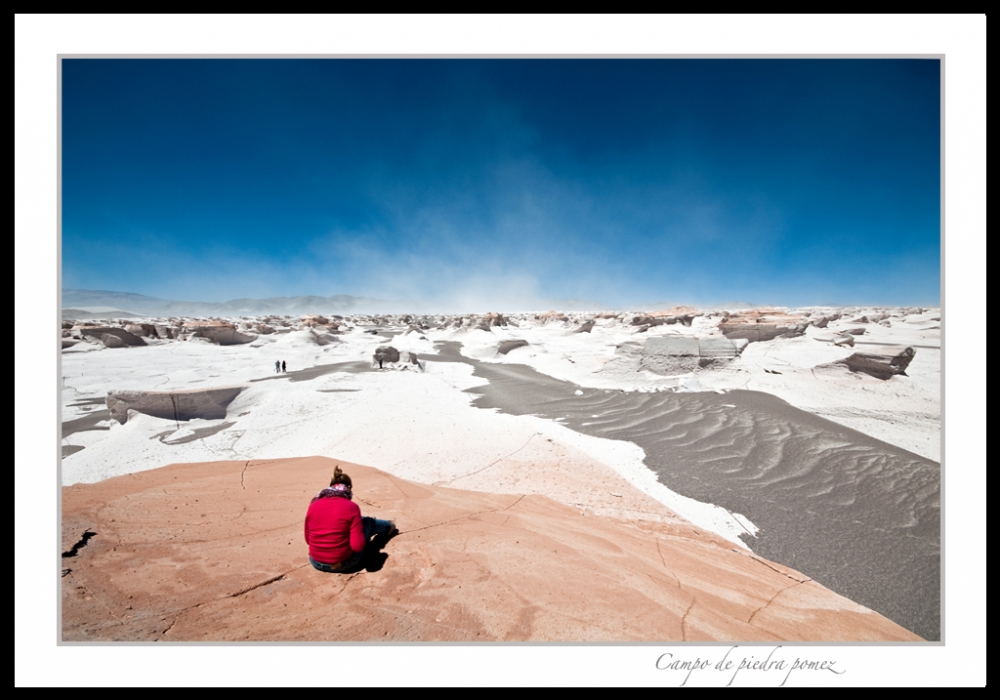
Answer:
(220, 333)
(214, 552)
(676, 354)
(762, 324)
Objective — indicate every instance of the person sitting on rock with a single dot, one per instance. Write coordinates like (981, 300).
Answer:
(335, 531)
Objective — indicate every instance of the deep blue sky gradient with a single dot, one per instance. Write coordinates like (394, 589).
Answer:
(505, 183)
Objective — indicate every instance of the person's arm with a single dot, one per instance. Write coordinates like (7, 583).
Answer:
(357, 532)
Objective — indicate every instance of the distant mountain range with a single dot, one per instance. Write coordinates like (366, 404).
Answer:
(101, 302)
(91, 303)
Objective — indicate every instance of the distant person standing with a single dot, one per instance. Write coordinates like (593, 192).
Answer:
(277, 366)
(284, 367)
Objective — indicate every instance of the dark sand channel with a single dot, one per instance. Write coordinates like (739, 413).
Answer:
(858, 515)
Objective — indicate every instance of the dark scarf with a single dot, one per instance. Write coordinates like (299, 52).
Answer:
(335, 491)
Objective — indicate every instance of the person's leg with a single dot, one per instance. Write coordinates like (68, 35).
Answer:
(374, 526)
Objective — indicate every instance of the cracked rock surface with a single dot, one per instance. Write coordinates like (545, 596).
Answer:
(215, 552)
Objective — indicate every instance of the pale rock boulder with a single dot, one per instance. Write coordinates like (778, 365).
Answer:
(144, 330)
(495, 319)
(386, 353)
(112, 341)
(399, 360)
(508, 345)
(883, 362)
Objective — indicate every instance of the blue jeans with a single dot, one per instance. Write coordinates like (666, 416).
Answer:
(371, 527)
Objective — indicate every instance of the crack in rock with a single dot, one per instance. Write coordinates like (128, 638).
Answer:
(684, 618)
(257, 585)
(765, 605)
(463, 517)
(169, 627)
(500, 459)
(82, 542)
(668, 570)
(783, 573)
(269, 581)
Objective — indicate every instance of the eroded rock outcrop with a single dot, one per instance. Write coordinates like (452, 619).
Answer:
(495, 319)
(220, 333)
(209, 404)
(549, 316)
(675, 354)
(121, 337)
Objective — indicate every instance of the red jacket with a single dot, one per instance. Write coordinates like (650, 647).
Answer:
(333, 530)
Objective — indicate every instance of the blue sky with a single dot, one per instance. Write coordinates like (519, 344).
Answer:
(479, 184)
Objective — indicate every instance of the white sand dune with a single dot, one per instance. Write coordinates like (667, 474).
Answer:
(421, 426)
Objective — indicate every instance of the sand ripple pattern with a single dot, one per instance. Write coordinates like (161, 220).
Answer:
(858, 515)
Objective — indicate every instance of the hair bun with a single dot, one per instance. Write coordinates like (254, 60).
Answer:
(339, 477)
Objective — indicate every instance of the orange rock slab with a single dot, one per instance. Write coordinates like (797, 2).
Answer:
(215, 552)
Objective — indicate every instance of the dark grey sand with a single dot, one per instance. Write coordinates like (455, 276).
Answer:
(87, 422)
(304, 375)
(196, 434)
(858, 515)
